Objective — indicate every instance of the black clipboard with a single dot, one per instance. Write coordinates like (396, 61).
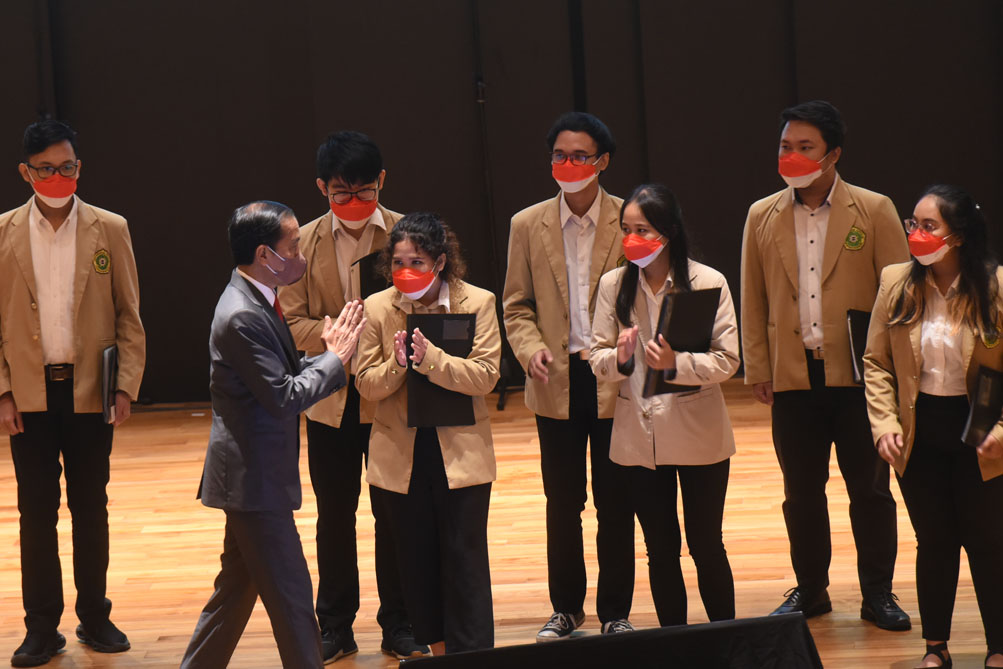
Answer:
(109, 382)
(428, 404)
(857, 323)
(986, 407)
(371, 280)
(686, 320)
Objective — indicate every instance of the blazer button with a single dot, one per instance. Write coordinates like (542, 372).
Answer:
(646, 414)
(34, 306)
(34, 337)
(431, 367)
(565, 346)
(797, 332)
(393, 371)
(565, 317)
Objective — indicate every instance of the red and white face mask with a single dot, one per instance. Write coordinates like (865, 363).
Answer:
(573, 178)
(927, 248)
(798, 170)
(640, 250)
(412, 283)
(355, 212)
(56, 191)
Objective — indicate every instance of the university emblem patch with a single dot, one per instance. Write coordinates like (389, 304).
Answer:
(990, 340)
(855, 239)
(102, 262)
(622, 261)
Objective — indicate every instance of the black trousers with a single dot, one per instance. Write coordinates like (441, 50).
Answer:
(262, 556)
(84, 441)
(336, 456)
(805, 425)
(563, 445)
(442, 539)
(703, 488)
(950, 506)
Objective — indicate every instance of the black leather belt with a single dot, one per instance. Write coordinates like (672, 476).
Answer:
(59, 372)
(815, 353)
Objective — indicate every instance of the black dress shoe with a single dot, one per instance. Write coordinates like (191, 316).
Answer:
(37, 648)
(883, 611)
(103, 637)
(810, 607)
(401, 644)
(336, 645)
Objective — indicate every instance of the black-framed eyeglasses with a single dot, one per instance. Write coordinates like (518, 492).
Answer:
(345, 196)
(559, 158)
(45, 171)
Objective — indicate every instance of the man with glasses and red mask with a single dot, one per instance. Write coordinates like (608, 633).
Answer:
(68, 291)
(558, 249)
(341, 248)
(811, 252)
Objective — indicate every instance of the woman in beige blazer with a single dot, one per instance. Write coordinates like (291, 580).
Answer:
(936, 319)
(440, 477)
(681, 435)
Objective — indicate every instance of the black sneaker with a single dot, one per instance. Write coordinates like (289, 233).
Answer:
(560, 626)
(336, 645)
(104, 637)
(798, 602)
(401, 644)
(37, 648)
(617, 626)
(883, 611)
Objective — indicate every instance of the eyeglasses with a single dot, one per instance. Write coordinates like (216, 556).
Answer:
(911, 225)
(66, 170)
(363, 194)
(559, 158)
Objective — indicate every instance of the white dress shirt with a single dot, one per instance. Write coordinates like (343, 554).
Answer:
(943, 371)
(416, 307)
(654, 301)
(579, 238)
(346, 248)
(54, 258)
(269, 293)
(810, 226)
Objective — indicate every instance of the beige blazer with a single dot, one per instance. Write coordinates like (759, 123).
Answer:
(320, 293)
(105, 307)
(864, 234)
(467, 451)
(689, 428)
(892, 364)
(535, 299)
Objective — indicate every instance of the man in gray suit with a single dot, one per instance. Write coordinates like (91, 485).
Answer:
(259, 386)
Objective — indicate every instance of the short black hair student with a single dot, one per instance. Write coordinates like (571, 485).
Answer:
(438, 478)
(684, 437)
(936, 319)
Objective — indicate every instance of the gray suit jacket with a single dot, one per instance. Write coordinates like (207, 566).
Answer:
(259, 386)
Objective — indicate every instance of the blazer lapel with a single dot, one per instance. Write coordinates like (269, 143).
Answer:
(326, 258)
(916, 339)
(842, 215)
(553, 246)
(280, 329)
(784, 236)
(457, 298)
(87, 237)
(21, 245)
(607, 228)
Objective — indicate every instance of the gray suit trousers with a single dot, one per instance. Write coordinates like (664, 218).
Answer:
(262, 555)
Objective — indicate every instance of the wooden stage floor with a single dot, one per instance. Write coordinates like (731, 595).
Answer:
(165, 551)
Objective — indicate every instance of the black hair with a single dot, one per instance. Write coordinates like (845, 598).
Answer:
(979, 304)
(661, 208)
(255, 224)
(823, 116)
(42, 134)
(351, 156)
(587, 123)
(429, 233)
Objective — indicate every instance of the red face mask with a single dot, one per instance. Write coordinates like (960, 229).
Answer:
(640, 250)
(798, 170)
(355, 210)
(573, 178)
(412, 283)
(927, 248)
(56, 187)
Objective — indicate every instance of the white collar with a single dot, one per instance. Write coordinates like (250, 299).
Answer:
(591, 216)
(443, 300)
(35, 214)
(828, 198)
(267, 292)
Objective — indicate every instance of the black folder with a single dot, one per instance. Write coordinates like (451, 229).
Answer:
(428, 404)
(686, 320)
(857, 322)
(986, 407)
(371, 280)
(109, 382)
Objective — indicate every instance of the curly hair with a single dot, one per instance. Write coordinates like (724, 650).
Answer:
(429, 233)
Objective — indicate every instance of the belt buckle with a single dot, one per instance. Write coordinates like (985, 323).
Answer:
(59, 372)
(817, 354)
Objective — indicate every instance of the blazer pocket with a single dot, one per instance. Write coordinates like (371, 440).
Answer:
(693, 395)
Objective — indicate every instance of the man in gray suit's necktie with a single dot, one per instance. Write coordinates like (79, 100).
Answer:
(259, 385)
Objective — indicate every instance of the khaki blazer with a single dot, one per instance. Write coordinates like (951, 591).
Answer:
(467, 451)
(690, 428)
(864, 234)
(105, 308)
(320, 293)
(892, 364)
(535, 299)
